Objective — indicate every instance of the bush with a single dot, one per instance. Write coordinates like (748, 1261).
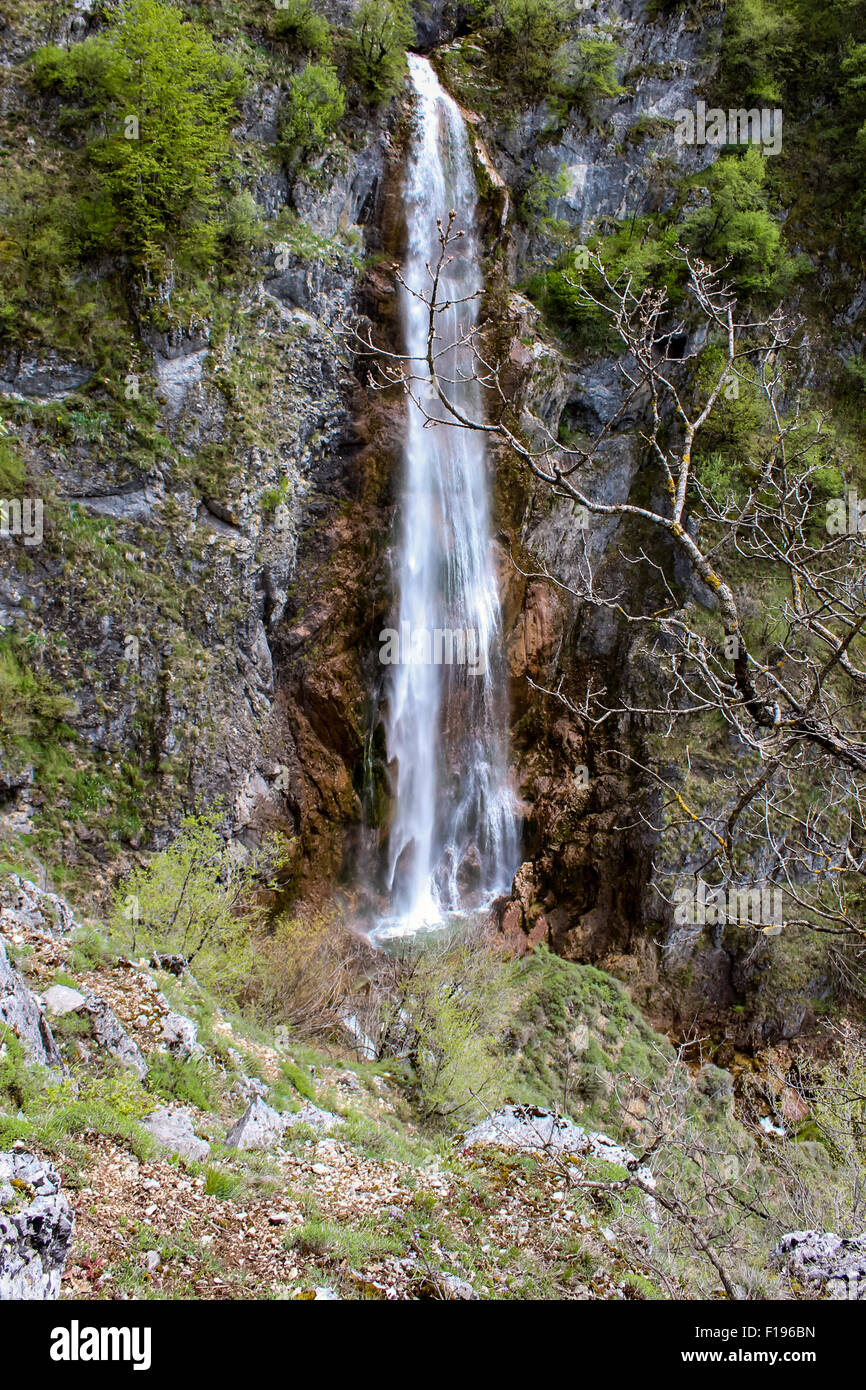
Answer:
(305, 31)
(525, 40)
(193, 899)
(313, 112)
(450, 1013)
(737, 227)
(158, 177)
(380, 34)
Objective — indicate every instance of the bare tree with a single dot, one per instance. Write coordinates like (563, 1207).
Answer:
(789, 683)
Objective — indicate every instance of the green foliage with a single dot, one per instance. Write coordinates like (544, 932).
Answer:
(757, 36)
(589, 75)
(737, 227)
(89, 950)
(186, 1079)
(20, 1082)
(221, 1184)
(154, 98)
(454, 1007)
(312, 113)
(194, 899)
(242, 226)
(305, 31)
(381, 32)
(525, 39)
(31, 711)
(12, 470)
(640, 249)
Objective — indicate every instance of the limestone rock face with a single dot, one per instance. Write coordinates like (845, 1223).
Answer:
(260, 1127)
(111, 1035)
(36, 1227)
(20, 1012)
(172, 1129)
(827, 1263)
(528, 1127)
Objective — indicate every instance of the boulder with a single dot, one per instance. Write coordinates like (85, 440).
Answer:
(36, 1226)
(180, 1036)
(831, 1265)
(259, 1127)
(20, 1012)
(60, 1000)
(171, 1127)
(320, 1120)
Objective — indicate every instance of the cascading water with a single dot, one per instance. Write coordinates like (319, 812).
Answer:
(453, 836)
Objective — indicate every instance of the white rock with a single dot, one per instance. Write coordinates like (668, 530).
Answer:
(61, 1000)
(832, 1264)
(172, 1129)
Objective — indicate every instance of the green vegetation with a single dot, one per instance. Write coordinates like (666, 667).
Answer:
(313, 111)
(303, 29)
(380, 33)
(154, 98)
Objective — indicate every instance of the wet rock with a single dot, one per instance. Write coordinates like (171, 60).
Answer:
(21, 1014)
(36, 1227)
(259, 1127)
(171, 1127)
(826, 1263)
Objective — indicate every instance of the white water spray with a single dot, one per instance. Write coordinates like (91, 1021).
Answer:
(453, 837)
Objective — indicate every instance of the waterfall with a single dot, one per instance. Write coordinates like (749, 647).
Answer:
(453, 835)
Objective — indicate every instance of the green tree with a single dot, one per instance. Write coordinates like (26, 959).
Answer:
(525, 41)
(312, 113)
(157, 98)
(737, 226)
(299, 26)
(380, 34)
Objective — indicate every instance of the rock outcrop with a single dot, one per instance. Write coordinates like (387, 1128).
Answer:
(528, 1128)
(824, 1263)
(21, 1014)
(36, 1228)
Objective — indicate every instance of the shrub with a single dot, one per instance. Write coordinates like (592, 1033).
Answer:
(305, 31)
(525, 39)
(380, 34)
(313, 111)
(737, 227)
(450, 1013)
(193, 899)
(157, 176)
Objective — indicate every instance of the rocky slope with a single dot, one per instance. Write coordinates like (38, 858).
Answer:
(185, 1153)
